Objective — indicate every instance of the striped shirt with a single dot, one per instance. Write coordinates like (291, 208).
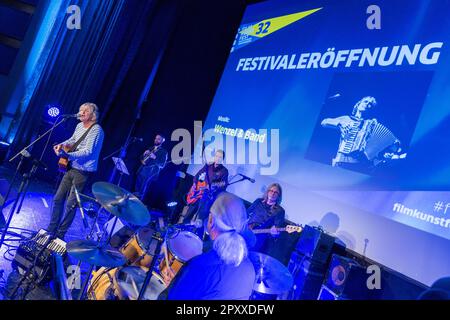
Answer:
(85, 157)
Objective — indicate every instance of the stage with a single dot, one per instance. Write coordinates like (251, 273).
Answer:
(34, 215)
(308, 135)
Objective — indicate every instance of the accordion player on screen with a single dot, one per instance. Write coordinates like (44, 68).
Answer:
(364, 143)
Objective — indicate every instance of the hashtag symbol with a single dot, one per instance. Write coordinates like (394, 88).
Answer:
(438, 206)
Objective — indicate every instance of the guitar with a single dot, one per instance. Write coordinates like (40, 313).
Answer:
(196, 192)
(63, 163)
(148, 156)
(288, 229)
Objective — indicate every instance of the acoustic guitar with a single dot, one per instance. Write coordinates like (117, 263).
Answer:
(63, 163)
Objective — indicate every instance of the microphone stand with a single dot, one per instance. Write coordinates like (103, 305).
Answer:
(158, 237)
(26, 177)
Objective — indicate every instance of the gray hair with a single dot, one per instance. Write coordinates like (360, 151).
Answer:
(280, 191)
(230, 219)
(94, 109)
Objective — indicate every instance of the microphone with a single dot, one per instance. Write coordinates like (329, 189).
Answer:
(337, 95)
(247, 178)
(366, 242)
(25, 154)
(75, 115)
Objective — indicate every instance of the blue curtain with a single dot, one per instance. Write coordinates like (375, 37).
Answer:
(76, 64)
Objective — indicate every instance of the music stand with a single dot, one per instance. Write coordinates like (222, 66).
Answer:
(121, 167)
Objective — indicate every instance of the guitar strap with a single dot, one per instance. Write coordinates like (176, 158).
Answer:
(75, 146)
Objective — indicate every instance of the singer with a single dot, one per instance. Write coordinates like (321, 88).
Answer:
(152, 162)
(85, 144)
(265, 213)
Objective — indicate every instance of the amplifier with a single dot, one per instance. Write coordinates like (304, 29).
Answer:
(27, 253)
(315, 244)
(347, 279)
(308, 277)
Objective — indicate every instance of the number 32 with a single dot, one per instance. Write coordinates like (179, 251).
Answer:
(263, 27)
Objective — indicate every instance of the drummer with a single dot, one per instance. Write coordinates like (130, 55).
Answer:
(214, 275)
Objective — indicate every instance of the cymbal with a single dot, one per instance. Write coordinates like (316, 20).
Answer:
(131, 279)
(272, 277)
(121, 203)
(91, 252)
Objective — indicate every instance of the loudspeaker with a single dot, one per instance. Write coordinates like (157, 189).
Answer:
(328, 294)
(347, 279)
(308, 277)
(315, 244)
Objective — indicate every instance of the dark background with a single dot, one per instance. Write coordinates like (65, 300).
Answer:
(180, 45)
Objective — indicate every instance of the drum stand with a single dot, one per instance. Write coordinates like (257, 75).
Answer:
(91, 269)
(157, 237)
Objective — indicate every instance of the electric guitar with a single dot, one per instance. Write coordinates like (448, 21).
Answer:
(288, 229)
(196, 192)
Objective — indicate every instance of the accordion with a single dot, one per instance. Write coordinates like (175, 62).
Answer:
(368, 137)
(26, 256)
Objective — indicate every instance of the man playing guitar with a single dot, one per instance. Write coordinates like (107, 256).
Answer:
(213, 179)
(82, 150)
(264, 213)
(152, 161)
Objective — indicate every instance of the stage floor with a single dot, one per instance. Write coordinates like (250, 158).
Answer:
(34, 215)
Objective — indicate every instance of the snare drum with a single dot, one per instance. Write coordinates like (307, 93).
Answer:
(178, 250)
(140, 249)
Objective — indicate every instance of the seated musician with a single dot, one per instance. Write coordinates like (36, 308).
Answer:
(353, 130)
(152, 161)
(225, 272)
(266, 213)
(215, 179)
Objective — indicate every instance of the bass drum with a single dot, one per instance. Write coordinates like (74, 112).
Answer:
(131, 279)
(104, 285)
(124, 283)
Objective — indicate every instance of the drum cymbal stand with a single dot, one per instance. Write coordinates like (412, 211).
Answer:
(91, 269)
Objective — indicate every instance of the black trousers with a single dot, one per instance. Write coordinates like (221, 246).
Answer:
(59, 224)
(144, 177)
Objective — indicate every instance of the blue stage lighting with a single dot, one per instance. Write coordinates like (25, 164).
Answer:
(53, 111)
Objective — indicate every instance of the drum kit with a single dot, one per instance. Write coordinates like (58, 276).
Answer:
(145, 265)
